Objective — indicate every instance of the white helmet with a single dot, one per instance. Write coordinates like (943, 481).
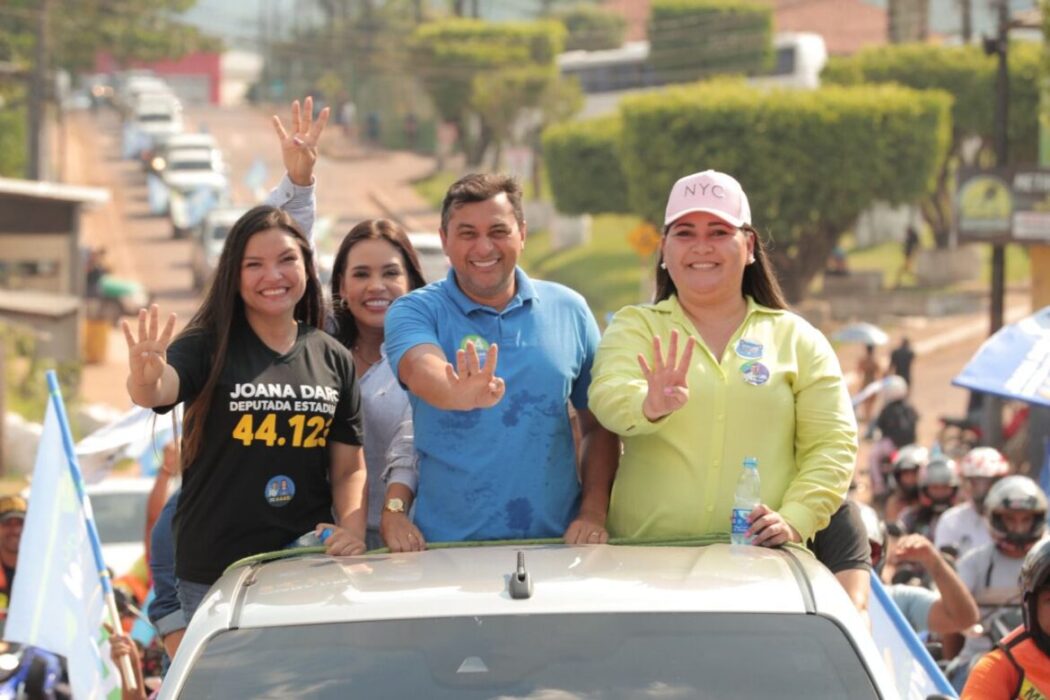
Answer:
(1013, 493)
(984, 462)
(894, 388)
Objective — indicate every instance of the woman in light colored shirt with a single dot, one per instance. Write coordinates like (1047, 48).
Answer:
(741, 376)
(375, 265)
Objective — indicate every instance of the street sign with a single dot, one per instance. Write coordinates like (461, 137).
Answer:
(1003, 205)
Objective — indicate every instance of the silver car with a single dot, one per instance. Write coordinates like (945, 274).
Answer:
(208, 241)
(542, 621)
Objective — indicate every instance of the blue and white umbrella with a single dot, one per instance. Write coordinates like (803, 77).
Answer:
(865, 333)
(1014, 363)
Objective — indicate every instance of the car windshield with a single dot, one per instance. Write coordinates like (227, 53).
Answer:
(580, 656)
(154, 117)
(120, 517)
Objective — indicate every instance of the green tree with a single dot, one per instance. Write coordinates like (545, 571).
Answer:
(693, 39)
(448, 55)
(810, 161)
(967, 74)
(130, 30)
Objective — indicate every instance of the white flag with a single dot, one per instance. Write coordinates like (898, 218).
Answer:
(57, 602)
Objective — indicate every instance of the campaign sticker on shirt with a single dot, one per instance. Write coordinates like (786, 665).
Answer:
(755, 373)
(748, 349)
(480, 344)
(279, 491)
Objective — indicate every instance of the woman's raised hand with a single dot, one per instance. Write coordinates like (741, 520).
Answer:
(299, 148)
(147, 355)
(668, 386)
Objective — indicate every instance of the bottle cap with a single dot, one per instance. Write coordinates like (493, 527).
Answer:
(751, 462)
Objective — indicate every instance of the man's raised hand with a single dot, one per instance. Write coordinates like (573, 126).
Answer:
(474, 385)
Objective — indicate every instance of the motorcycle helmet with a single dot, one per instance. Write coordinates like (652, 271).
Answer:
(938, 484)
(876, 530)
(894, 388)
(1016, 493)
(1035, 576)
(982, 467)
(909, 458)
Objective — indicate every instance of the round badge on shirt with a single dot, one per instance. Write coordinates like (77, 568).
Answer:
(481, 346)
(755, 373)
(748, 349)
(280, 490)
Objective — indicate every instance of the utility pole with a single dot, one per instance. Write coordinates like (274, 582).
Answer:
(37, 105)
(966, 15)
(993, 411)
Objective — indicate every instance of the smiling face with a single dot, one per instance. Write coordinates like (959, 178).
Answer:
(705, 256)
(483, 241)
(375, 275)
(273, 275)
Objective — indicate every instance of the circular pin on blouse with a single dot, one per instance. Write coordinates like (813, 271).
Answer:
(755, 373)
(748, 349)
(279, 491)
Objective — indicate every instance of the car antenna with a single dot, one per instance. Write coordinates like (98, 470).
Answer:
(520, 586)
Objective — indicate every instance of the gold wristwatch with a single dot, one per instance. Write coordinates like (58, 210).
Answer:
(394, 505)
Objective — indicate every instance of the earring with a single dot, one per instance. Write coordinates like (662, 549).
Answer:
(751, 260)
(663, 265)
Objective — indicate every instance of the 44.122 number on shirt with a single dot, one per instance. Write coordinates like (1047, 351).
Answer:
(305, 432)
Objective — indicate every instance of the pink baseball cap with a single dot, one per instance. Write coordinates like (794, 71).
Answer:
(712, 192)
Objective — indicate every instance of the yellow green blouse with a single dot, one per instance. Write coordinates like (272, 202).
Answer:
(777, 394)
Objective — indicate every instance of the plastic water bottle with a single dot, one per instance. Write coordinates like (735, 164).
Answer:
(311, 539)
(747, 497)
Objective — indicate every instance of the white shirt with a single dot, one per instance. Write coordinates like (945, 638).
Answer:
(962, 527)
(994, 580)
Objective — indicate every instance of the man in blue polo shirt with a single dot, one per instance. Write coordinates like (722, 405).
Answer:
(497, 458)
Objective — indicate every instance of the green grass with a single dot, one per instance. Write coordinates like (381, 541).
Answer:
(433, 187)
(607, 272)
(888, 256)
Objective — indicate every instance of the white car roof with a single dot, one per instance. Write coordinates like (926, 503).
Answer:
(468, 581)
(198, 140)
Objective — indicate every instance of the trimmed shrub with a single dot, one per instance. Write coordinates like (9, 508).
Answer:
(592, 28)
(583, 166)
(692, 39)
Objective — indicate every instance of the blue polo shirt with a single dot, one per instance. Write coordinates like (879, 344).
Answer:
(509, 471)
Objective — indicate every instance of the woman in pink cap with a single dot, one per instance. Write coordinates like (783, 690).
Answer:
(715, 371)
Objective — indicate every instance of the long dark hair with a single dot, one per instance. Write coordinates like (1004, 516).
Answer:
(369, 230)
(760, 282)
(223, 308)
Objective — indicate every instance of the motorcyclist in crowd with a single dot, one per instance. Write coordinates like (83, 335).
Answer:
(1016, 511)
(904, 482)
(946, 608)
(897, 421)
(963, 526)
(1019, 666)
(938, 486)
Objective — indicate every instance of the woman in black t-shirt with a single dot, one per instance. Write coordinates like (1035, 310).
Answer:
(272, 428)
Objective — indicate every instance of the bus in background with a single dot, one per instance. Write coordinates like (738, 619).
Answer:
(607, 76)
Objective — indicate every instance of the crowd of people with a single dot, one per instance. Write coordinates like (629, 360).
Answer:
(488, 406)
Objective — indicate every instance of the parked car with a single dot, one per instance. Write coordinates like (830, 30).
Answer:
(538, 621)
(168, 147)
(119, 506)
(209, 239)
(196, 183)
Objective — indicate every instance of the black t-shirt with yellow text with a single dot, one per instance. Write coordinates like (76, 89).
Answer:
(260, 479)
